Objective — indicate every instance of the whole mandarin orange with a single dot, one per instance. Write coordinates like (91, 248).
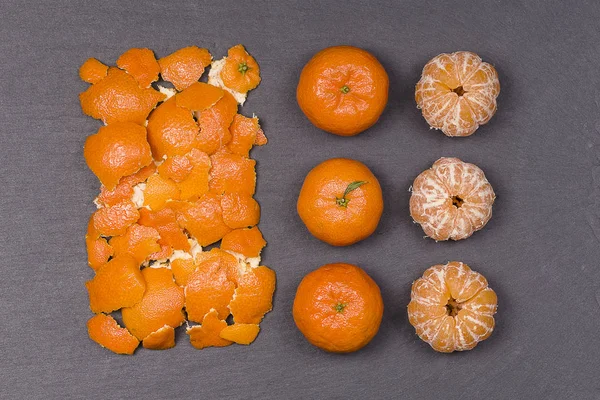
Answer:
(338, 308)
(343, 90)
(340, 201)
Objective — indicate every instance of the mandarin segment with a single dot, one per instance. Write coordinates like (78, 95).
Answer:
(117, 150)
(104, 330)
(117, 284)
(185, 66)
(208, 334)
(452, 308)
(253, 296)
(141, 64)
(162, 339)
(172, 130)
(92, 71)
(247, 242)
(240, 333)
(118, 98)
(162, 304)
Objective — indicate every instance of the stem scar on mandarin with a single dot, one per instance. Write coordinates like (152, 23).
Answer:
(344, 89)
(243, 68)
(339, 307)
(343, 201)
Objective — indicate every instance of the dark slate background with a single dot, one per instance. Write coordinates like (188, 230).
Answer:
(539, 252)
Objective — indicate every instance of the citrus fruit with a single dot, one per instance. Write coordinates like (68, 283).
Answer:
(340, 201)
(451, 200)
(338, 308)
(457, 93)
(343, 90)
(117, 150)
(452, 308)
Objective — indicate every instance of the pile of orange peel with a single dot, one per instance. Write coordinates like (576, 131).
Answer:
(176, 176)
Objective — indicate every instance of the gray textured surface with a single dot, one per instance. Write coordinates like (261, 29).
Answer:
(541, 153)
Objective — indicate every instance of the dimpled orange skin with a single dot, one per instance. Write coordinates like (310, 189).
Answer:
(92, 71)
(330, 222)
(248, 241)
(253, 297)
(161, 305)
(240, 210)
(171, 130)
(343, 90)
(199, 96)
(162, 339)
(117, 284)
(241, 71)
(208, 334)
(457, 93)
(452, 308)
(141, 64)
(451, 200)
(184, 66)
(114, 220)
(117, 150)
(338, 308)
(118, 98)
(104, 330)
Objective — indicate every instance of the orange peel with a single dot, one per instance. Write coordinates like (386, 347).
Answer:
(244, 133)
(204, 219)
(114, 220)
(214, 124)
(211, 286)
(139, 242)
(141, 64)
(117, 284)
(253, 296)
(118, 98)
(199, 96)
(208, 334)
(116, 151)
(92, 71)
(104, 330)
(239, 210)
(232, 173)
(158, 191)
(172, 130)
(247, 242)
(162, 339)
(184, 66)
(240, 333)
(161, 304)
